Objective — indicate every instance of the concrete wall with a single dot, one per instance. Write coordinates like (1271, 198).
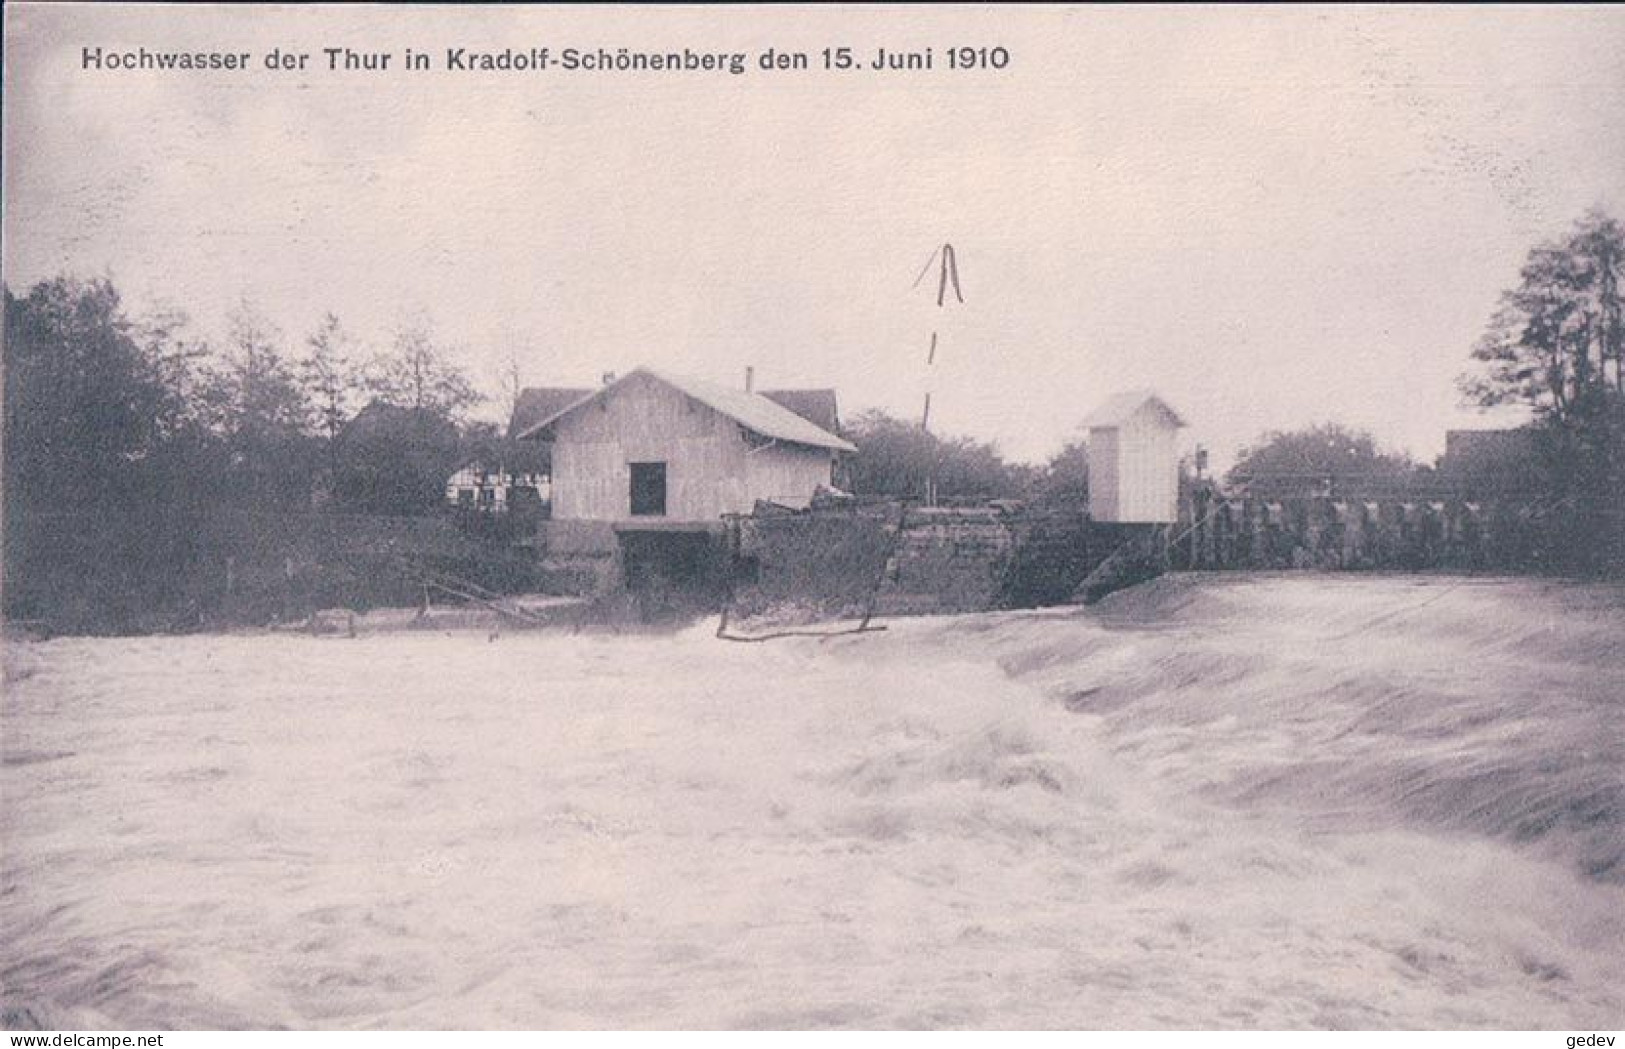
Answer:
(712, 467)
(948, 561)
(833, 563)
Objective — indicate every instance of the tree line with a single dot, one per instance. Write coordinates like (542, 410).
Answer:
(1555, 345)
(103, 409)
(106, 410)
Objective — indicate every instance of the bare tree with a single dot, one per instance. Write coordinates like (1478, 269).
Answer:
(511, 380)
(418, 373)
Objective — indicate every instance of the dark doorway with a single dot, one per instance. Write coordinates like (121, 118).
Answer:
(648, 489)
(673, 573)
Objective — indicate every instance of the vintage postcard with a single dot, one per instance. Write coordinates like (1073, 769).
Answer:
(813, 517)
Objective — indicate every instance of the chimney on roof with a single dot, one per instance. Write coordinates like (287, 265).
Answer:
(750, 379)
(608, 378)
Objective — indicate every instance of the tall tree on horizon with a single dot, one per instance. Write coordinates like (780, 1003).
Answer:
(1313, 453)
(512, 379)
(328, 375)
(900, 459)
(419, 373)
(261, 411)
(86, 401)
(1557, 345)
(1557, 340)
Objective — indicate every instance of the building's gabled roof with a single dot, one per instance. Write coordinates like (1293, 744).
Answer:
(1490, 444)
(753, 411)
(816, 406)
(1120, 408)
(372, 415)
(1509, 455)
(379, 419)
(540, 402)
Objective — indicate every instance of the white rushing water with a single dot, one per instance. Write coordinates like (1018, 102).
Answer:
(1235, 801)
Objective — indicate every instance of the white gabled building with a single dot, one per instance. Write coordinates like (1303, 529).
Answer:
(652, 449)
(1134, 459)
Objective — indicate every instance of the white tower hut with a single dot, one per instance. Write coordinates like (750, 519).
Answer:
(1134, 459)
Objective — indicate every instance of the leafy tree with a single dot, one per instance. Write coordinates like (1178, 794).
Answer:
(395, 455)
(176, 359)
(253, 390)
(189, 466)
(1304, 461)
(898, 458)
(86, 400)
(100, 424)
(1555, 337)
(258, 407)
(1557, 346)
(1065, 478)
(395, 460)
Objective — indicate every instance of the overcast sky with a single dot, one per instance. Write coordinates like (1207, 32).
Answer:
(1271, 216)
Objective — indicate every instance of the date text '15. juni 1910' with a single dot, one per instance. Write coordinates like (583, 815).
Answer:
(888, 59)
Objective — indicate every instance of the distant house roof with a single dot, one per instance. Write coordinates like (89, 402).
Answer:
(816, 406)
(1120, 408)
(1507, 454)
(371, 415)
(382, 418)
(541, 402)
(754, 411)
(1468, 444)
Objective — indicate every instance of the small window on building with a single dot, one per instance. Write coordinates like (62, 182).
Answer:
(648, 489)
(488, 496)
(465, 497)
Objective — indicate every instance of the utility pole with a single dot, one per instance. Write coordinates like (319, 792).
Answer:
(1199, 504)
(947, 277)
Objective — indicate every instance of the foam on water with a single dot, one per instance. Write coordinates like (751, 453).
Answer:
(1494, 707)
(1268, 802)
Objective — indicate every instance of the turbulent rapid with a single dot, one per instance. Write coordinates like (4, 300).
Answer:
(1235, 801)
